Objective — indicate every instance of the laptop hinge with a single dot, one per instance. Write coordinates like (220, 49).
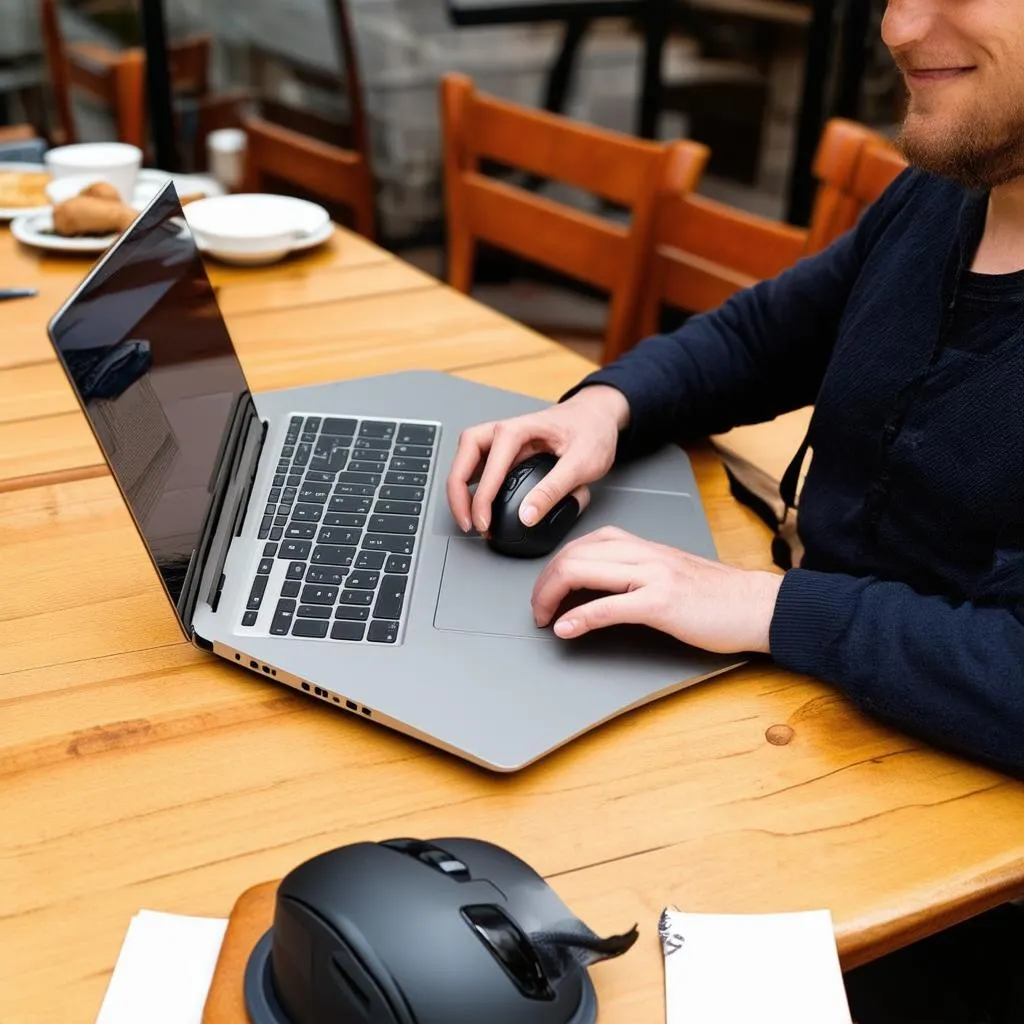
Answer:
(230, 487)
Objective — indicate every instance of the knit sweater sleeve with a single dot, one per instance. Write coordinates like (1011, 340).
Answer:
(950, 672)
(761, 353)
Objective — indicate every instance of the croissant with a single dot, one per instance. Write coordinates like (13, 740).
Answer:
(92, 214)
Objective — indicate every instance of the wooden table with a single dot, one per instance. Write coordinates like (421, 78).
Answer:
(138, 772)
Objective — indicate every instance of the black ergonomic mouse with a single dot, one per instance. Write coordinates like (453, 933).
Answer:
(405, 931)
(508, 534)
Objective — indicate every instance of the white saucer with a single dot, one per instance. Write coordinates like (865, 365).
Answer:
(148, 182)
(10, 212)
(36, 229)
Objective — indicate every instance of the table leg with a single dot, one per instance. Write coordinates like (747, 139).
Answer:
(657, 21)
(158, 85)
(560, 77)
(811, 115)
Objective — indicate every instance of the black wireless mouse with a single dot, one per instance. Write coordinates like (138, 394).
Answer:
(508, 535)
(405, 931)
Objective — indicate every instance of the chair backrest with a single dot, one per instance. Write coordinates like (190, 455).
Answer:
(705, 251)
(116, 78)
(275, 153)
(602, 252)
(835, 208)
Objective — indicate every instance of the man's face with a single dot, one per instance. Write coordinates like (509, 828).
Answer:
(963, 65)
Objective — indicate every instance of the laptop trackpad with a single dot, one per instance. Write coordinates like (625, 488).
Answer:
(484, 592)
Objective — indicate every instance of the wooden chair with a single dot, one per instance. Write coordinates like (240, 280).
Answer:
(603, 253)
(17, 133)
(115, 78)
(705, 250)
(275, 154)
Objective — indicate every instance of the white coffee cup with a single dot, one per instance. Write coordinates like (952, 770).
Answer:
(225, 155)
(115, 162)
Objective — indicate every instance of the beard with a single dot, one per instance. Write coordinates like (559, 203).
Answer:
(976, 153)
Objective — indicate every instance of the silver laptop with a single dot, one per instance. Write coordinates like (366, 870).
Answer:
(304, 534)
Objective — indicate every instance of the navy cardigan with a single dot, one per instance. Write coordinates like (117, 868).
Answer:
(910, 595)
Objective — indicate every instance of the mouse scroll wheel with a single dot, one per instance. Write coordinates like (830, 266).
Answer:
(431, 855)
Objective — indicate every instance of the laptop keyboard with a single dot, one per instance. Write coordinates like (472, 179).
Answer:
(341, 525)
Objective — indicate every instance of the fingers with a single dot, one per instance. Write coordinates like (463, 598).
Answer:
(564, 575)
(564, 479)
(473, 444)
(507, 440)
(614, 610)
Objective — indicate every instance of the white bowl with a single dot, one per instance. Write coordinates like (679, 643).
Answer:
(253, 228)
(116, 162)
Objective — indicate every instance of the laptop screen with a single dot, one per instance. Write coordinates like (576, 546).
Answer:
(145, 346)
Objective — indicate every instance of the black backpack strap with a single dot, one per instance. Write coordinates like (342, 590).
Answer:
(782, 554)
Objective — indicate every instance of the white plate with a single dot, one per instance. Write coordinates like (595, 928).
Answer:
(36, 229)
(147, 184)
(10, 212)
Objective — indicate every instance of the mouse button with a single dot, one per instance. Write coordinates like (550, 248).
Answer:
(511, 947)
(431, 855)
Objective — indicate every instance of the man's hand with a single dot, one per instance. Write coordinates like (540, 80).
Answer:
(703, 603)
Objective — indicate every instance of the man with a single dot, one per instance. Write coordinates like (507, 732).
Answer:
(908, 337)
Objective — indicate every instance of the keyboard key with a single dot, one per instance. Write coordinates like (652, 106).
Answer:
(295, 480)
(281, 521)
(316, 477)
(406, 479)
(403, 465)
(370, 559)
(349, 519)
(288, 451)
(303, 452)
(330, 576)
(372, 444)
(347, 630)
(332, 554)
(413, 451)
(270, 510)
(361, 490)
(405, 525)
(315, 492)
(276, 533)
(338, 426)
(268, 522)
(314, 593)
(307, 513)
(294, 549)
(356, 597)
(290, 588)
(350, 503)
(308, 437)
(266, 564)
(390, 597)
(366, 466)
(338, 535)
(295, 423)
(312, 424)
(354, 612)
(269, 550)
(416, 433)
(249, 618)
(398, 508)
(388, 542)
(390, 493)
(300, 531)
(314, 611)
(278, 480)
(283, 465)
(335, 454)
(363, 580)
(377, 428)
(359, 478)
(275, 495)
(398, 563)
(382, 632)
(296, 570)
(310, 627)
(259, 588)
(282, 618)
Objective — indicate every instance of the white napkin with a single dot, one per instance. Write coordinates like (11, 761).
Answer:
(164, 970)
(756, 968)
